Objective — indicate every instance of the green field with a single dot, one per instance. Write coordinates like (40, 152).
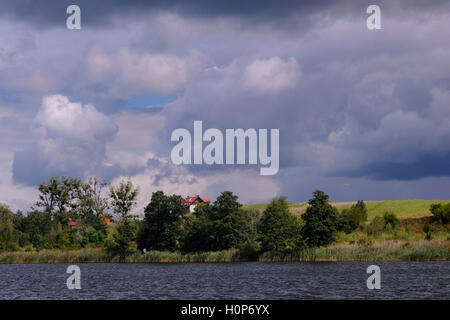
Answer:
(402, 208)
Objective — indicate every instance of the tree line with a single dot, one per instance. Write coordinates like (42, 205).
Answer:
(166, 224)
(62, 200)
(70, 214)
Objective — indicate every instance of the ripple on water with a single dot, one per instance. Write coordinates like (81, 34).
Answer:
(255, 280)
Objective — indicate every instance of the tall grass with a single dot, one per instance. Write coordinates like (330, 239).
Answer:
(392, 250)
(54, 256)
(98, 255)
(166, 256)
(388, 250)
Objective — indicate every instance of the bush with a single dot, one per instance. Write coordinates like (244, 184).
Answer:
(343, 222)
(441, 212)
(376, 226)
(29, 248)
(427, 230)
(343, 237)
(249, 250)
(365, 241)
(391, 219)
(85, 236)
(351, 218)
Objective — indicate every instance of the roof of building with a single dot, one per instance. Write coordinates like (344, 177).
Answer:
(191, 200)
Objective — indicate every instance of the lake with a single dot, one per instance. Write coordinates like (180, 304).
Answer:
(252, 280)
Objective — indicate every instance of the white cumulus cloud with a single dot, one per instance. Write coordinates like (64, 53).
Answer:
(271, 75)
(128, 72)
(70, 140)
(64, 119)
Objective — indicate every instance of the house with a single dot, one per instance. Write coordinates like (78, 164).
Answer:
(191, 202)
(72, 223)
(106, 218)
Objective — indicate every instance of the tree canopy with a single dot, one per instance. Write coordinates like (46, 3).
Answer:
(163, 222)
(320, 221)
(279, 229)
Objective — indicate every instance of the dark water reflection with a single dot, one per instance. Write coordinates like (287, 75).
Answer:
(343, 280)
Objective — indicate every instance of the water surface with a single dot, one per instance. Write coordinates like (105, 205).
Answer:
(253, 280)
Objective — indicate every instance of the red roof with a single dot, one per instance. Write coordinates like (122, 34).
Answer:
(72, 223)
(191, 200)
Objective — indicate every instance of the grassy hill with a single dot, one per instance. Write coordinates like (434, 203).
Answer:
(402, 208)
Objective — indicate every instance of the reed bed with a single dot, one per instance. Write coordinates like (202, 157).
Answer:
(55, 256)
(99, 255)
(167, 256)
(387, 250)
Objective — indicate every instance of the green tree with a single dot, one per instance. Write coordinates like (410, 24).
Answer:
(163, 221)
(92, 204)
(376, 226)
(279, 229)
(59, 237)
(255, 218)
(427, 230)
(123, 198)
(251, 248)
(59, 198)
(9, 235)
(320, 221)
(198, 229)
(351, 218)
(229, 223)
(122, 243)
(361, 206)
(218, 226)
(36, 225)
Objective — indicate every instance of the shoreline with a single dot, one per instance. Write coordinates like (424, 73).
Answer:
(384, 251)
(228, 262)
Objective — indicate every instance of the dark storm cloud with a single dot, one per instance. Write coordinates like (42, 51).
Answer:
(427, 165)
(368, 106)
(31, 167)
(50, 10)
(100, 12)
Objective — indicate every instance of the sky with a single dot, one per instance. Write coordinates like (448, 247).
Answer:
(362, 114)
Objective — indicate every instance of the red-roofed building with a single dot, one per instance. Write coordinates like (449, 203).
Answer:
(106, 218)
(72, 223)
(191, 202)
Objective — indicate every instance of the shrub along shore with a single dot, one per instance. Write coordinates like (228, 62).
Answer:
(388, 250)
